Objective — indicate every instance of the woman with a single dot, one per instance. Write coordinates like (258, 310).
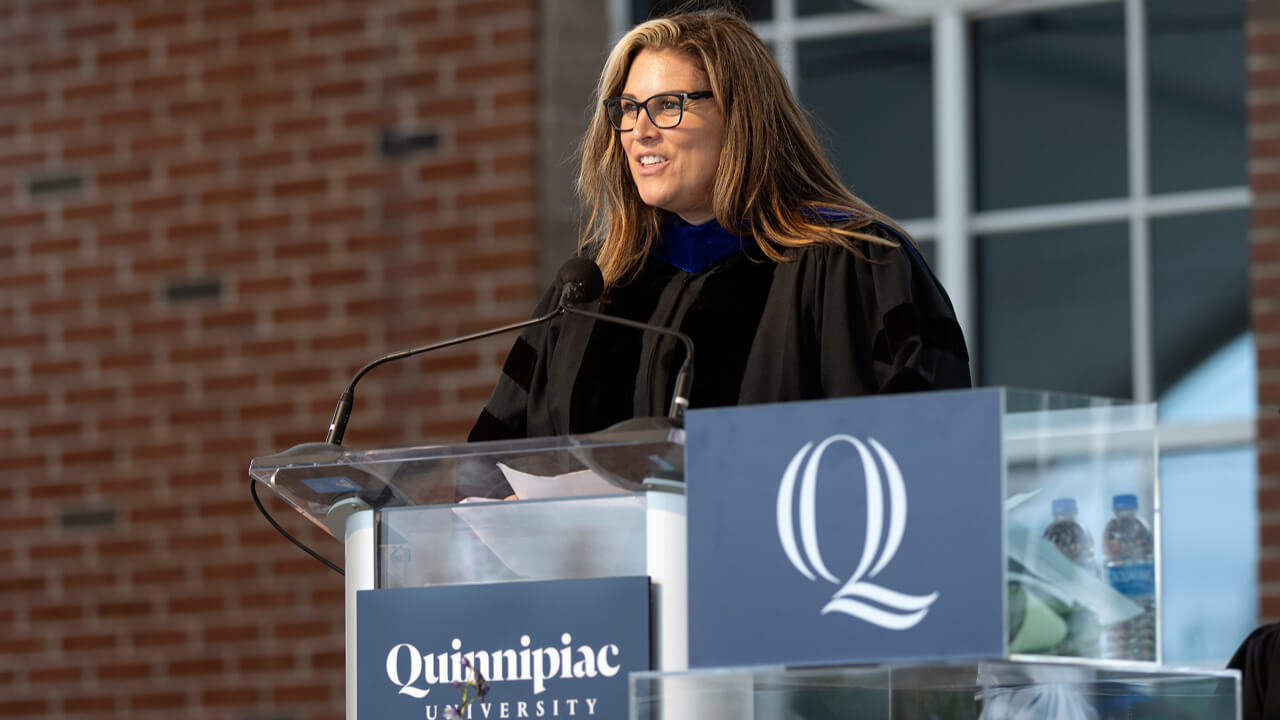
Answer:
(711, 209)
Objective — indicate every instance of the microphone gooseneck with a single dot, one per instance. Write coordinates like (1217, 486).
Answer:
(342, 413)
(581, 281)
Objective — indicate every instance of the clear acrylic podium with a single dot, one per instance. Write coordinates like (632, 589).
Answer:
(592, 506)
(612, 505)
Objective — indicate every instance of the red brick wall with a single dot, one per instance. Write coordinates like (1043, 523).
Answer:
(199, 242)
(1263, 47)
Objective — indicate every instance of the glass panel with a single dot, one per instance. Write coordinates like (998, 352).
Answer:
(1054, 310)
(1050, 107)
(872, 104)
(1205, 364)
(937, 690)
(817, 7)
(1210, 544)
(1197, 94)
(502, 541)
(1071, 593)
(929, 249)
(642, 10)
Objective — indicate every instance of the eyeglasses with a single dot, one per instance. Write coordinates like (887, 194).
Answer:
(666, 111)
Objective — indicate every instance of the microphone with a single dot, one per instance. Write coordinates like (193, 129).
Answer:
(583, 283)
(579, 284)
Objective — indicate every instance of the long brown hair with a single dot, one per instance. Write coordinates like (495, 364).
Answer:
(773, 180)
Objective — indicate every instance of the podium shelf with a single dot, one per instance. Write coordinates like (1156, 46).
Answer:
(997, 690)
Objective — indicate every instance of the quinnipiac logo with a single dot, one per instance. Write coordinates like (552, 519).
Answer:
(797, 511)
(536, 665)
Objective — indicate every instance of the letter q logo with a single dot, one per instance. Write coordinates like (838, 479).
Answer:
(857, 597)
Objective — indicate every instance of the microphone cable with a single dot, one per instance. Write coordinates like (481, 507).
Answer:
(253, 490)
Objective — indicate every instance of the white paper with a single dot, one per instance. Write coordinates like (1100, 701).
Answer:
(1015, 501)
(528, 486)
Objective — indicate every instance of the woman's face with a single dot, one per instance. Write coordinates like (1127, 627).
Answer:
(673, 168)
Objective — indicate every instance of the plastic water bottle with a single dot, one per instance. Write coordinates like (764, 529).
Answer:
(1073, 540)
(1069, 536)
(1131, 570)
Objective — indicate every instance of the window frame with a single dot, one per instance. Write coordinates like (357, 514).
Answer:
(955, 226)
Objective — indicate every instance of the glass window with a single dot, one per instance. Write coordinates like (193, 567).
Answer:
(1210, 553)
(871, 101)
(1204, 361)
(929, 250)
(642, 10)
(1049, 107)
(1053, 310)
(818, 7)
(1197, 89)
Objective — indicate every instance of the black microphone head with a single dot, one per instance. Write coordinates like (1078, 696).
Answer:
(580, 280)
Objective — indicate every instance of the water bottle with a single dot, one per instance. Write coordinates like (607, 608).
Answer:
(1131, 570)
(1073, 540)
(1070, 537)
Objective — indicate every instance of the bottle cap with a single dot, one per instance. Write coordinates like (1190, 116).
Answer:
(1125, 502)
(1064, 506)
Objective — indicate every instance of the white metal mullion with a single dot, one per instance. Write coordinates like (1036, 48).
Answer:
(1044, 217)
(951, 163)
(1027, 6)
(920, 228)
(1199, 201)
(816, 27)
(784, 40)
(1094, 212)
(862, 22)
(1139, 188)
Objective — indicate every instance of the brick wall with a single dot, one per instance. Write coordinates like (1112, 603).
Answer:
(199, 242)
(1263, 47)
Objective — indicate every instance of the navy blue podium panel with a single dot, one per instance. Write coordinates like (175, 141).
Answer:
(559, 648)
(853, 530)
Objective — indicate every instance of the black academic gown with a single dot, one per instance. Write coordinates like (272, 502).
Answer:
(1258, 660)
(827, 324)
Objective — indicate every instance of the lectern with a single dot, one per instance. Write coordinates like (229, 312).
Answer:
(601, 513)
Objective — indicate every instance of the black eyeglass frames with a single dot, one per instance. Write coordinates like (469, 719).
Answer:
(665, 110)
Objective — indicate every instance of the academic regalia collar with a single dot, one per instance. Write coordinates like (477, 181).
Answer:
(694, 248)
